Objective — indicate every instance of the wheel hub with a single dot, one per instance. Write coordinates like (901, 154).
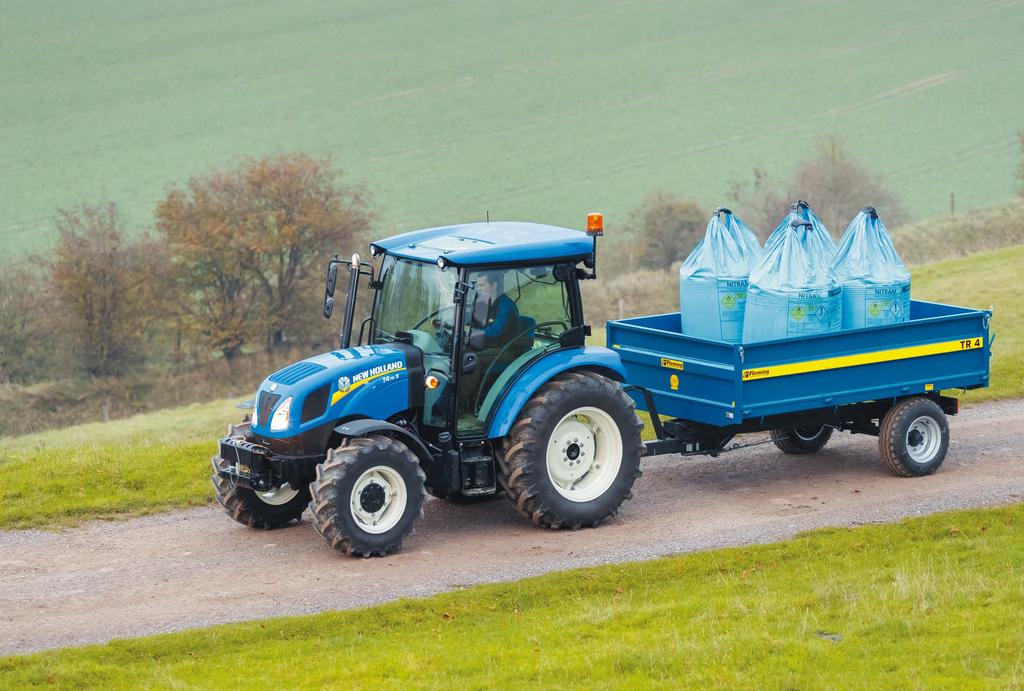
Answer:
(378, 499)
(573, 444)
(372, 498)
(915, 438)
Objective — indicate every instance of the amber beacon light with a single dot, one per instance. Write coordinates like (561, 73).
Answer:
(595, 224)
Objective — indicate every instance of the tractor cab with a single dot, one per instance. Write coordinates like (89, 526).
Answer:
(479, 303)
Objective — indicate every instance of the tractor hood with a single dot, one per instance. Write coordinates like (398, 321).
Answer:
(374, 381)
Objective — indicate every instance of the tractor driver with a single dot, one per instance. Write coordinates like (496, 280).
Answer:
(502, 314)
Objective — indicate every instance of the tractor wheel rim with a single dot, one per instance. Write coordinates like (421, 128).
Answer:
(924, 436)
(278, 496)
(378, 499)
(807, 433)
(584, 454)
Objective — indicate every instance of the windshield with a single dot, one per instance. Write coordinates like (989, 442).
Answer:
(413, 296)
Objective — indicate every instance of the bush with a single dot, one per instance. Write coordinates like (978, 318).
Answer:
(250, 246)
(665, 228)
(835, 183)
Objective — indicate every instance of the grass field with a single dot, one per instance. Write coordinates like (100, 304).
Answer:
(160, 460)
(926, 603)
(529, 110)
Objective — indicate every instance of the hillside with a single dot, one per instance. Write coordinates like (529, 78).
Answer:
(447, 110)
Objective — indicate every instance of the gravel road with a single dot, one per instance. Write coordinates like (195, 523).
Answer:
(197, 567)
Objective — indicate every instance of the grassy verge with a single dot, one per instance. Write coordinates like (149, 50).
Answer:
(992, 279)
(103, 470)
(925, 603)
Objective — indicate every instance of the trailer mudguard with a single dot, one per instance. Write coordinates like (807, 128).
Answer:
(596, 359)
(365, 426)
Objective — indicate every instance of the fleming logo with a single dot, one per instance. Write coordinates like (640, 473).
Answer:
(755, 373)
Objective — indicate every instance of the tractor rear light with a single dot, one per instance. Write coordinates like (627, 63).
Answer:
(595, 224)
(431, 382)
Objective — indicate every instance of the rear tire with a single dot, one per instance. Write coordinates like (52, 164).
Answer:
(914, 437)
(262, 510)
(574, 453)
(801, 440)
(367, 495)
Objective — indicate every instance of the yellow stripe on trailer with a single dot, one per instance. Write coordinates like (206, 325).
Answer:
(769, 371)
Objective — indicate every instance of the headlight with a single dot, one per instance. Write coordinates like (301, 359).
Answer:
(279, 422)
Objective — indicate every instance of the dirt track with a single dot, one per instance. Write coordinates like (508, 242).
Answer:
(197, 567)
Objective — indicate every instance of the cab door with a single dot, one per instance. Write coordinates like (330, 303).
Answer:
(525, 312)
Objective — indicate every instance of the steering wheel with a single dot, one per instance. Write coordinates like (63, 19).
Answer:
(436, 322)
(497, 358)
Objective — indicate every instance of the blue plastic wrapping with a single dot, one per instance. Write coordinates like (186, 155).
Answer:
(818, 240)
(713, 279)
(875, 282)
(792, 291)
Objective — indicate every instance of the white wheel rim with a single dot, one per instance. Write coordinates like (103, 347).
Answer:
(924, 436)
(584, 454)
(278, 495)
(378, 499)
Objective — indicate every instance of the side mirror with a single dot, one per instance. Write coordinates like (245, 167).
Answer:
(469, 362)
(328, 306)
(332, 278)
(477, 339)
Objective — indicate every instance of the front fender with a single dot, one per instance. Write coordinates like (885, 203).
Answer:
(596, 359)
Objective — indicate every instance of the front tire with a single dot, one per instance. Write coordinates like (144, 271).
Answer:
(367, 495)
(914, 437)
(574, 453)
(275, 508)
(801, 440)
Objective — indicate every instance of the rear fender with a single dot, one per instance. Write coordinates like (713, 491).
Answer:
(603, 361)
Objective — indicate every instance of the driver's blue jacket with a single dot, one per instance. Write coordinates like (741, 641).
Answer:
(504, 320)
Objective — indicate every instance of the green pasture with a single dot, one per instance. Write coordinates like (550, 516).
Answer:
(532, 110)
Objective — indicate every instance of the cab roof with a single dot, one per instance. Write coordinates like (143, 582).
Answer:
(495, 242)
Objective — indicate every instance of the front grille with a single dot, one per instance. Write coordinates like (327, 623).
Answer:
(293, 374)
(315, 403)
(264, 404)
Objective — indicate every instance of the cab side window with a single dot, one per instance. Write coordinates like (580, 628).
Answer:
(527, 310)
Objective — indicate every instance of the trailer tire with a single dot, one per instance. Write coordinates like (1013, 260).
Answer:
(544, 464)
(260, 510)
(914, 437)
(801, 440)
(367, 495)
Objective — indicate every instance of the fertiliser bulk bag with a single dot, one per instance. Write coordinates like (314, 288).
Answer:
(792, 291)
(875, 282)
(713, 279)
(818, 240)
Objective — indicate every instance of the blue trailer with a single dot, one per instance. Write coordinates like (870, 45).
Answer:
(471, 377)
(801, 389)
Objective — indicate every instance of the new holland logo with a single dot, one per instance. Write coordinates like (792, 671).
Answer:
(344, 383)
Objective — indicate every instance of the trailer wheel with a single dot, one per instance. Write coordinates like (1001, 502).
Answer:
(799, 440)
(367, 495)
(913, 437)
(274, 508)
(573, 455)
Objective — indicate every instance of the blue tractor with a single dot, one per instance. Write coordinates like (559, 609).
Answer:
(469, 377)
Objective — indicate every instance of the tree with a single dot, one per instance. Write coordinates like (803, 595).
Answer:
(104, 288)
(250, 246)
(835, 183)
(668, 228)
(26, 350)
